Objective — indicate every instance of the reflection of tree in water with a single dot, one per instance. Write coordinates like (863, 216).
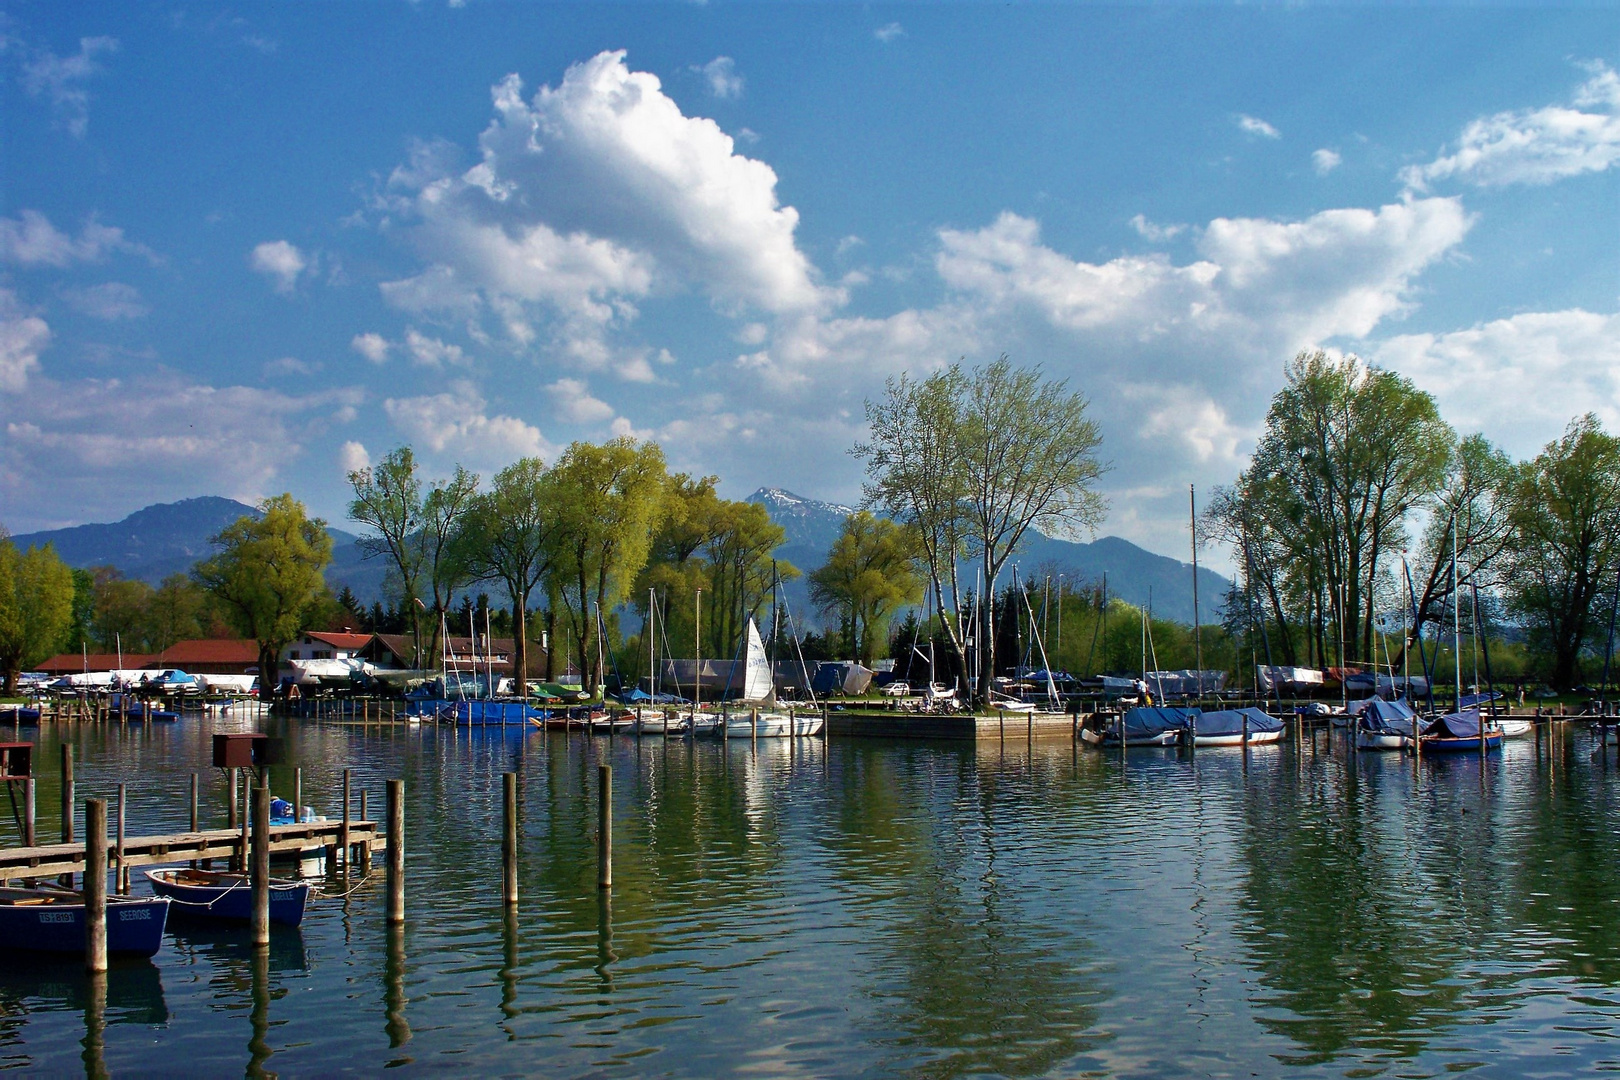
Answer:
(967, 977)
(1355, 948)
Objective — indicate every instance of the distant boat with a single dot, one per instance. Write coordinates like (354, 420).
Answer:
(204, 894)
(19, 714)
(52, 921)
(1148, 725)
(759, 688)
(1458, 732)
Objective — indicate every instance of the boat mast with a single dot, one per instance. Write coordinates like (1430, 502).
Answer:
(1456, 620)
(1198, 640)
(652, 685)
(697, 647)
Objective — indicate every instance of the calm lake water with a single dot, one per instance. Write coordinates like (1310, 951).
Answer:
(888, 909)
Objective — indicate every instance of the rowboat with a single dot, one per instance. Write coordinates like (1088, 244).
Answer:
(52, 921)
(204, 894)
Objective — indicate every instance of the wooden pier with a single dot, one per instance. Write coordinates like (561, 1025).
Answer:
(50, 860)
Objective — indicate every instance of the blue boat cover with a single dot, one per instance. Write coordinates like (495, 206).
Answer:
(1457, 725)
(1474, 701)
(1230, 722)
(1377, 714)
(1147, 721)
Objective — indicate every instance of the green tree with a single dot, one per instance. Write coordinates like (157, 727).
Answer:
(268, 575)
(741, 539)
(177, 610)
(610, 501)
(870, 573)
(119, 606)
(36, 607)
(1566, 518)
(507, 536)
(388, 498)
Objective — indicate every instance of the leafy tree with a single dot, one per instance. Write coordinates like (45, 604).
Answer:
(610, 500)
(974, 461)
(1566, 518)
(268, 575)
(738, 550)
(388, 498)
(870, 574)
(177, 610)
(120, 607)
(36, 607)
(508, 536)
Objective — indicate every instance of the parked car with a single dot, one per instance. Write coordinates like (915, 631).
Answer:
(897, 688)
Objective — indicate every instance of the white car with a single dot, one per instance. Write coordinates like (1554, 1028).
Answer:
(897, 689)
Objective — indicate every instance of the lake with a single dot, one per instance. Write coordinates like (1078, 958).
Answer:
(880, 908)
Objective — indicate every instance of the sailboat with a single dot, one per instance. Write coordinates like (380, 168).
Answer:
(759, 689)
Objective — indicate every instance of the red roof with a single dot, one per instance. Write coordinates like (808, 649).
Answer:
(72, 663)
(339, 640)
(208, 651)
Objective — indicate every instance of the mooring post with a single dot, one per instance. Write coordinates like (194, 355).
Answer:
(67, 793)
(230, 822)
(364, 815)
(298, 794)
(121, 883)
(194, 821)
(509, 839)
(260, 924)
(604, 828)
(396, 851)
(95, 885)
(753, 724)
(28, 812)
(242, 857)
(343, 831)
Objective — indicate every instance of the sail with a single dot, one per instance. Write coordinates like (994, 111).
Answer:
(757, 681)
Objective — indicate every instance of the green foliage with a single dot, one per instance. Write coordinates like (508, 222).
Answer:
(508, 534)
(268, 575)
(870, 574)
(1566, 519)
(36, 607)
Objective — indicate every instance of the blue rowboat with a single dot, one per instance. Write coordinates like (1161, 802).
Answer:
(204, 894)
(52, 921)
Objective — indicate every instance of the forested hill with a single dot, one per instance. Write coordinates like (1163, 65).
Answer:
(1135, 574)
(168, 538)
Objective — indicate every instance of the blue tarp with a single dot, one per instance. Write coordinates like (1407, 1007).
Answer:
(1380, 715)
(1474, 701)
(1457, 725)
(1231, 722)
(1147, 721)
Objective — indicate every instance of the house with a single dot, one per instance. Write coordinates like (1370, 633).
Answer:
(465, 653)
(210, 656)
(321, 645)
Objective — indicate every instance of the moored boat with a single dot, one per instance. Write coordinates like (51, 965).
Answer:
(52, 921)
(1384, 725)
(1148, 725)
(1458, 732)
(774, 725)
(204, 894)
(1235, 727)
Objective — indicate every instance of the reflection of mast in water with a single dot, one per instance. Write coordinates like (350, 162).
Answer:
(1200, 917)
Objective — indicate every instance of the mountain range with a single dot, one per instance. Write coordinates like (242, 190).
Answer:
(167, 538)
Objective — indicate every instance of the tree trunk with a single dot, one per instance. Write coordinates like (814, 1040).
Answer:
(520, 653)
(269, 662)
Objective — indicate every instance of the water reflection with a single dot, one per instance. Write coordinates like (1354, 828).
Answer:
(394, 997)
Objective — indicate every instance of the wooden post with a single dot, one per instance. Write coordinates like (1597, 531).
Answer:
(364, 815)
(509, 839)
(343, 832)
(396, 851)
(260, 923)
(194, 821)
(604, 828)
(67, 793)
(28, 812)
(121, 883)
(753, 724)
(242, 860)
(95, 885)
(298, 794)
(231, 821)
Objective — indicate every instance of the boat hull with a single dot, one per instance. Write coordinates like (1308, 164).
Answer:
(1165, 738)
(1381, 740)
(774, 726)
(1466, 745)
(45, 921)
(1256, 738)
(228, 897)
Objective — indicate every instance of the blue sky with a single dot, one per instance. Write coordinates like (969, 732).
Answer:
(243, 249)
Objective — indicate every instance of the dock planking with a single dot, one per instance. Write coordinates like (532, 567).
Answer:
(49, 860)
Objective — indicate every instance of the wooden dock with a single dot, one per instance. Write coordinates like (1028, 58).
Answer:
(51, 860)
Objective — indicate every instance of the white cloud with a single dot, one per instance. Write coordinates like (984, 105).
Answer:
(889, 32)
(433, 353)
(61, 80)
(1155, 234)
(106, 446)
(572, 401)
(279, 261)
(721, 72)
(848, 244)
(30, 239)
(1520, 379)
(1253, 125)
(1535, 146)
(352, 457)
(112, 300)
(455, 422)
(287, 366)
(1194, 419)
(1325, 160)
(372, 346)
(589, 197)
(22, 336)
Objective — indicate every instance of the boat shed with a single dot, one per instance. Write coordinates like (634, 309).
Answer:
(210, 656)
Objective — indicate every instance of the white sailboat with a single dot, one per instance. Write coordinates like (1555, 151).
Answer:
(759, 690)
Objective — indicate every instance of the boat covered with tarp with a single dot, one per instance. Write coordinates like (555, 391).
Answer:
(1149, 725)
(1458, 731)
(1382, 725)
(1234, 727)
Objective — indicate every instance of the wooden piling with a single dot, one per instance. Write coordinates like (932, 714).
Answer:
(95, 885)
(260, 923)
(298, 793)
(28, 813)
(604, 828)
(343, 834)
(67, 793)
(396, 851)
(231, 820)
(509, 839)
(121, 882)
(364, 816)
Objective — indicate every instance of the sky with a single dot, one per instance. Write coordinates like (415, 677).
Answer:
(246, 249)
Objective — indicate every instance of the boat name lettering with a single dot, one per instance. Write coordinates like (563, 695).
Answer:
(134, 914)
(56, 916)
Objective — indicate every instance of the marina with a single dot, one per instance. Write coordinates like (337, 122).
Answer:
(1017, 905)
